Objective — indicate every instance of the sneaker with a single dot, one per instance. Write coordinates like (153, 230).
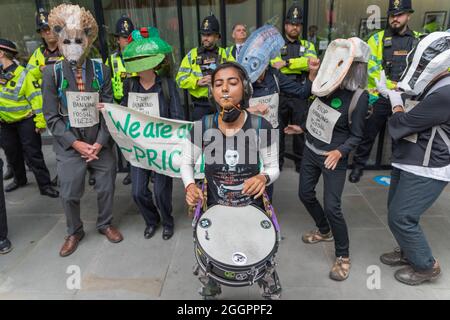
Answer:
(341, 269)
(315, 236)
(5, 246)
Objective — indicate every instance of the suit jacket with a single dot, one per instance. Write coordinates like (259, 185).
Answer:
(57, 122)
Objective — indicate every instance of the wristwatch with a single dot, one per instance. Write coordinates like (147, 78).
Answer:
(267, 177)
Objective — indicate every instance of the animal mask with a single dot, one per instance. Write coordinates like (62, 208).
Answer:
(76, 30)
(263, 45)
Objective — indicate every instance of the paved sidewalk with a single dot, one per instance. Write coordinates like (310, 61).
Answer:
(156, 269)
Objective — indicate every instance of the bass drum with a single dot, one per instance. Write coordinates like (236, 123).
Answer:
(235, 245)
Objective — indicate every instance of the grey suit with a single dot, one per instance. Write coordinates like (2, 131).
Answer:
(71, 168)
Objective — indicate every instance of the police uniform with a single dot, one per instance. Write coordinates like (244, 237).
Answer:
(388, 53)
(20, 116)
(198, 63)
(124, 27)
(293, 110)
(42, 56)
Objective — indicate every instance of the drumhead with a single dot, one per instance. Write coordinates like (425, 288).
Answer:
(236, 236)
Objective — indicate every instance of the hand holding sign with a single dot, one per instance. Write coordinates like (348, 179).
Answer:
(261, 109)
(332, 159)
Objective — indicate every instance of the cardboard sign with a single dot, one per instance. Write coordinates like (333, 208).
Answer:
(146, 103)
(321, 121)
(273, 102)
(82, 108)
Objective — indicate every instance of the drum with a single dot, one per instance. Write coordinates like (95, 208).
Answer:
(235, 245)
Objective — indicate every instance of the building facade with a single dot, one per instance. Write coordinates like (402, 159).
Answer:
(179, 21)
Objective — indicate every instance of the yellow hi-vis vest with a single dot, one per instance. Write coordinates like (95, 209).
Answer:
(375, 65)
(298, 65)
(190, 72)
(36, 61)
(20, 98)
(119, 74)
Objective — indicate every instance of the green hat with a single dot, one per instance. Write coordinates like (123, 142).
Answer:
(145, 51)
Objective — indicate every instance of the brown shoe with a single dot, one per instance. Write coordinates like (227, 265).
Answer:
(71, 244)
(341, 269)
(411, 277)
(394, 258)
(315, 236)
(112, 234)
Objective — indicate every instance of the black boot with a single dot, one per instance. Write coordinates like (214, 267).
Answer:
(355, 175)
(9, 174)
(127, 180)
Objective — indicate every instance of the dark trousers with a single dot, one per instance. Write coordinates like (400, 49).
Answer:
(143, 197)
(382, 110)
(202, 107)
(3, 222)
(410, 196)
(20, 139)
(292, 111)
(71, 169)
(330, 217)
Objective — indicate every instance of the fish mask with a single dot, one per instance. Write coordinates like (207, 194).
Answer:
(262, 46)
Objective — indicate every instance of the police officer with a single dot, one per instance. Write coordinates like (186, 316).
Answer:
(48, 53)
(293, 62)
(389, 50)
(22, 121)
(124, 27)
(239, 36)
(197, 66)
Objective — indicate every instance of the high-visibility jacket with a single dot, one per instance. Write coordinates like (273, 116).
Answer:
(38, 60)
(375, 65)
(190, 72)
(20, 98)
(118, 75)
(229, 53)
(298, 65)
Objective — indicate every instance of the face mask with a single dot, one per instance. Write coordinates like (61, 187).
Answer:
(72, 52)
(231, 115)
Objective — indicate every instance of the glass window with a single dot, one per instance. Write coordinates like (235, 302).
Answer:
(272, 13)
(19, 26)
(240, 11)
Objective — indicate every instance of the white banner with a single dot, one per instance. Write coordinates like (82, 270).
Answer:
(82, 108)
(149, 142)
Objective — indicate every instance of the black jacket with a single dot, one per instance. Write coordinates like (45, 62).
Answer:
(346, 137)
(268, 85)
(433, 111)
(173, 111)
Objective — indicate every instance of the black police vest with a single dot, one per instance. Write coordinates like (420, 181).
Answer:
(292, 51)
(208, 61)
(395, 51)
